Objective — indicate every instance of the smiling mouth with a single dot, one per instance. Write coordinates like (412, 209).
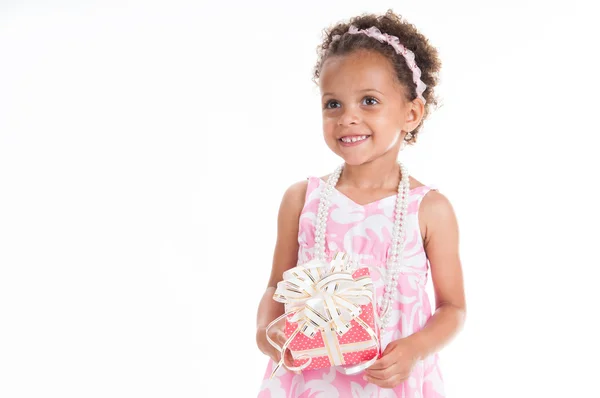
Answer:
(353, 139)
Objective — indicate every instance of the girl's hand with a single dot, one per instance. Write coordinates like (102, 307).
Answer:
(277, 335)
(395, 365)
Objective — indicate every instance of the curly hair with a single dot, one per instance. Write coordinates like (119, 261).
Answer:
(426, 56)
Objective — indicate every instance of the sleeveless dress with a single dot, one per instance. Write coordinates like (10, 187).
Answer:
(365, 233)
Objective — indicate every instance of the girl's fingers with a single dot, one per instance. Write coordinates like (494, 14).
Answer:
(383, 372)
(382, 363)
(288, 357)
(280, 338)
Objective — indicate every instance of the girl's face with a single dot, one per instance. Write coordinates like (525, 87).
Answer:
(361, 97)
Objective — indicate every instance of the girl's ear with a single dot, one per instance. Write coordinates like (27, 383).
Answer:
(414, 114)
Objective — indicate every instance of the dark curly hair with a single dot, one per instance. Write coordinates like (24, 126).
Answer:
(426, 56)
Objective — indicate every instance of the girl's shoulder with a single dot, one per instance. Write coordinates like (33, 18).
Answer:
(293, 199)
(437, 213)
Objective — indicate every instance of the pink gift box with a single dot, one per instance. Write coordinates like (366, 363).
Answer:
(352, 348)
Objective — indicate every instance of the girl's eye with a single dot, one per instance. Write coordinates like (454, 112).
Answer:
(329, 103)
(334, 102)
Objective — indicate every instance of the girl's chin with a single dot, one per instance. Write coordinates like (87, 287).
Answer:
(354, 160)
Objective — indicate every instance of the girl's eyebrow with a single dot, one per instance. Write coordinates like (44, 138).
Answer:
(361, 91)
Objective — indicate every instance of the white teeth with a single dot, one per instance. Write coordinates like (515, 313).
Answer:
(354, 139)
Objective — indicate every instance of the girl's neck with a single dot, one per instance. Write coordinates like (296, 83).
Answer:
(381, 173)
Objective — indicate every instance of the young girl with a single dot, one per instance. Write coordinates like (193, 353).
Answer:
(376, 75)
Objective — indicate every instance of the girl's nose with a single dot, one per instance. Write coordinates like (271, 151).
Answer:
(349, 116)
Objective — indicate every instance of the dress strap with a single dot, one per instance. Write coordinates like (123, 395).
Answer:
(313, 183)
(427, 188)
(424, 190)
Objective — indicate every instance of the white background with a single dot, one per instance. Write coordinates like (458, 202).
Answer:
(145, 147)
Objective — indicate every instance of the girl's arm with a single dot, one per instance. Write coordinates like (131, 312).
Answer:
(442, 247)
(284, 258)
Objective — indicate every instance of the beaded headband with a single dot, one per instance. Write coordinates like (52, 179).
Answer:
(400, 49)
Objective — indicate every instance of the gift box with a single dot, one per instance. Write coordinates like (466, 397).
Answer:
(330, 317)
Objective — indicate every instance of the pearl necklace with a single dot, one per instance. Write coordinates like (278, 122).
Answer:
(394, 261)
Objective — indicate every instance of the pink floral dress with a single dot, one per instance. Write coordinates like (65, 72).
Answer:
(365, 233)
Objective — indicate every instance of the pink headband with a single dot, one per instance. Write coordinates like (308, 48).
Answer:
(400, 49)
